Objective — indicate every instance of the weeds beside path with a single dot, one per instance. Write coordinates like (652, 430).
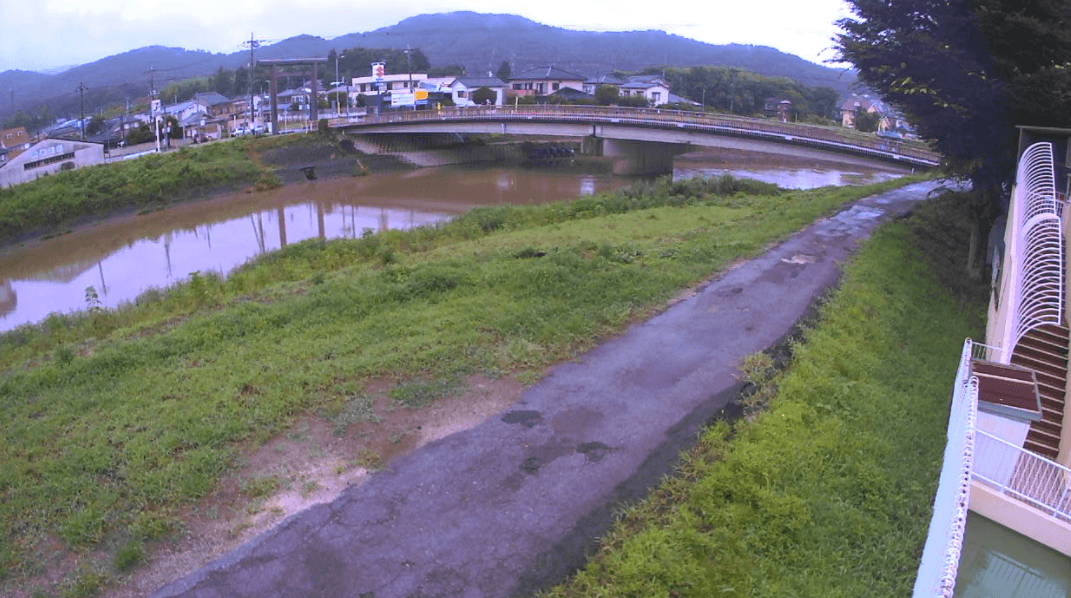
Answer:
(828, 491)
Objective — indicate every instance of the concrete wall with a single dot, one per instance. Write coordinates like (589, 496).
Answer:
(1016, 515)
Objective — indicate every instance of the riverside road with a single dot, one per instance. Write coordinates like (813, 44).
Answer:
(513, 505)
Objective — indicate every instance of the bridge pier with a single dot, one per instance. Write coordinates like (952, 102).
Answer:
(641, 157)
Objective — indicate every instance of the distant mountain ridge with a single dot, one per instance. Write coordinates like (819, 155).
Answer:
(478, 41)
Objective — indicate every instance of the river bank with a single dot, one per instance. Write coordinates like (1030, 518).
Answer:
(58, 204)
(160, 403)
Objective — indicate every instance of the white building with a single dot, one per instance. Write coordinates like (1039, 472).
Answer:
(462, 89)
(48, 157)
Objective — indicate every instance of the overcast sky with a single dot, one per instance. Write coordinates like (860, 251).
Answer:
(46, 34)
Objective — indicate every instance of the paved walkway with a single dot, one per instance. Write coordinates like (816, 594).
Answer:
(512, 505)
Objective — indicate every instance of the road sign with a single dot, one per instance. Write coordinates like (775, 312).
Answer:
(402, 99)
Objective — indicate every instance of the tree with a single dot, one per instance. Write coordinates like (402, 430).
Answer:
(606, 95)
(241, 80)
(866, 122)
(484, 95)
(142, 134)
(966, 73)
(503, 71)
(95, 126)
(223, 82)
(450, 70)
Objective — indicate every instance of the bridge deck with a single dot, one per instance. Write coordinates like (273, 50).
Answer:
(825, 138)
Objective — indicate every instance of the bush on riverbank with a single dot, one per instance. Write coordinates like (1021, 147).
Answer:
(829, 492)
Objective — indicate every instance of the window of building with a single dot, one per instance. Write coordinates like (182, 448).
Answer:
(555, 86)
(47, 161)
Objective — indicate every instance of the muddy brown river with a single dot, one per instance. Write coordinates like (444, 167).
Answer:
(123, 257)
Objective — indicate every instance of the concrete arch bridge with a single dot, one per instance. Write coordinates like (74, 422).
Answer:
(641, 140)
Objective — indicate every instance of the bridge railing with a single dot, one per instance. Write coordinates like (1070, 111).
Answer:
(658, 117)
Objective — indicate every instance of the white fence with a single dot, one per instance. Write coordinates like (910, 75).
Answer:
(944, 542)
(1036, 245)
(1021, 474)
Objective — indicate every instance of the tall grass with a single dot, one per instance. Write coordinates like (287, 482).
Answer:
(828, 492)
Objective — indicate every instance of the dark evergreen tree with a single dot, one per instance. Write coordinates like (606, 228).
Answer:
(966, 73)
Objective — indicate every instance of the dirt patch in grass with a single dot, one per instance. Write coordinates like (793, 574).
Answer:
(309, 464)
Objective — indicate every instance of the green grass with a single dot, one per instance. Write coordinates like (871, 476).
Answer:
(828, 492)
(110, 420)
(144, 184)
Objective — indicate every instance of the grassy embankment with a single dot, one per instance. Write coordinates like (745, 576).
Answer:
(149, 182)
(111, 420)
(52, 203)
(827, 492)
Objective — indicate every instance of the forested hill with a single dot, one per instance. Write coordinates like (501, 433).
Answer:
(479, 42)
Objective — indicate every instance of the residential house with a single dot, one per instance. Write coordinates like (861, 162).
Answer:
(462, 88)
(368, 86)
(569, 94)
(849, 108)
(183, 110)
(544, 80)
(15, 139)
(47, 157)
(599, 80)
(1009, 441)
(203, 127)
(655, 91)
(216, 104)
(653, 88)
(779, 107)
(13, 142)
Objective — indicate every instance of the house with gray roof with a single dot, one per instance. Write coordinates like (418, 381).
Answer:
(462, 88)
(544, 80)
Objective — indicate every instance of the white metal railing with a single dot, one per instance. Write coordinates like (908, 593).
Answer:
(1036, 242)
(944, 542)
(1022, 474)
(986, 352)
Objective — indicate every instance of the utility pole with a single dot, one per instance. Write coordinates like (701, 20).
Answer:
(253, 44)
(409, 67)
(154, 106)
(82, 101)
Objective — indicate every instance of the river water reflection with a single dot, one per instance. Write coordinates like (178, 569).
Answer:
(124, 257)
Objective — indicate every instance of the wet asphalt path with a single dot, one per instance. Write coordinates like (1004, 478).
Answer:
(513, 505)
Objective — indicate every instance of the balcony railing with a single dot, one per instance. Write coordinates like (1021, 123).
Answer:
(1024, 475)
(944, 542)
(1036, 242)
